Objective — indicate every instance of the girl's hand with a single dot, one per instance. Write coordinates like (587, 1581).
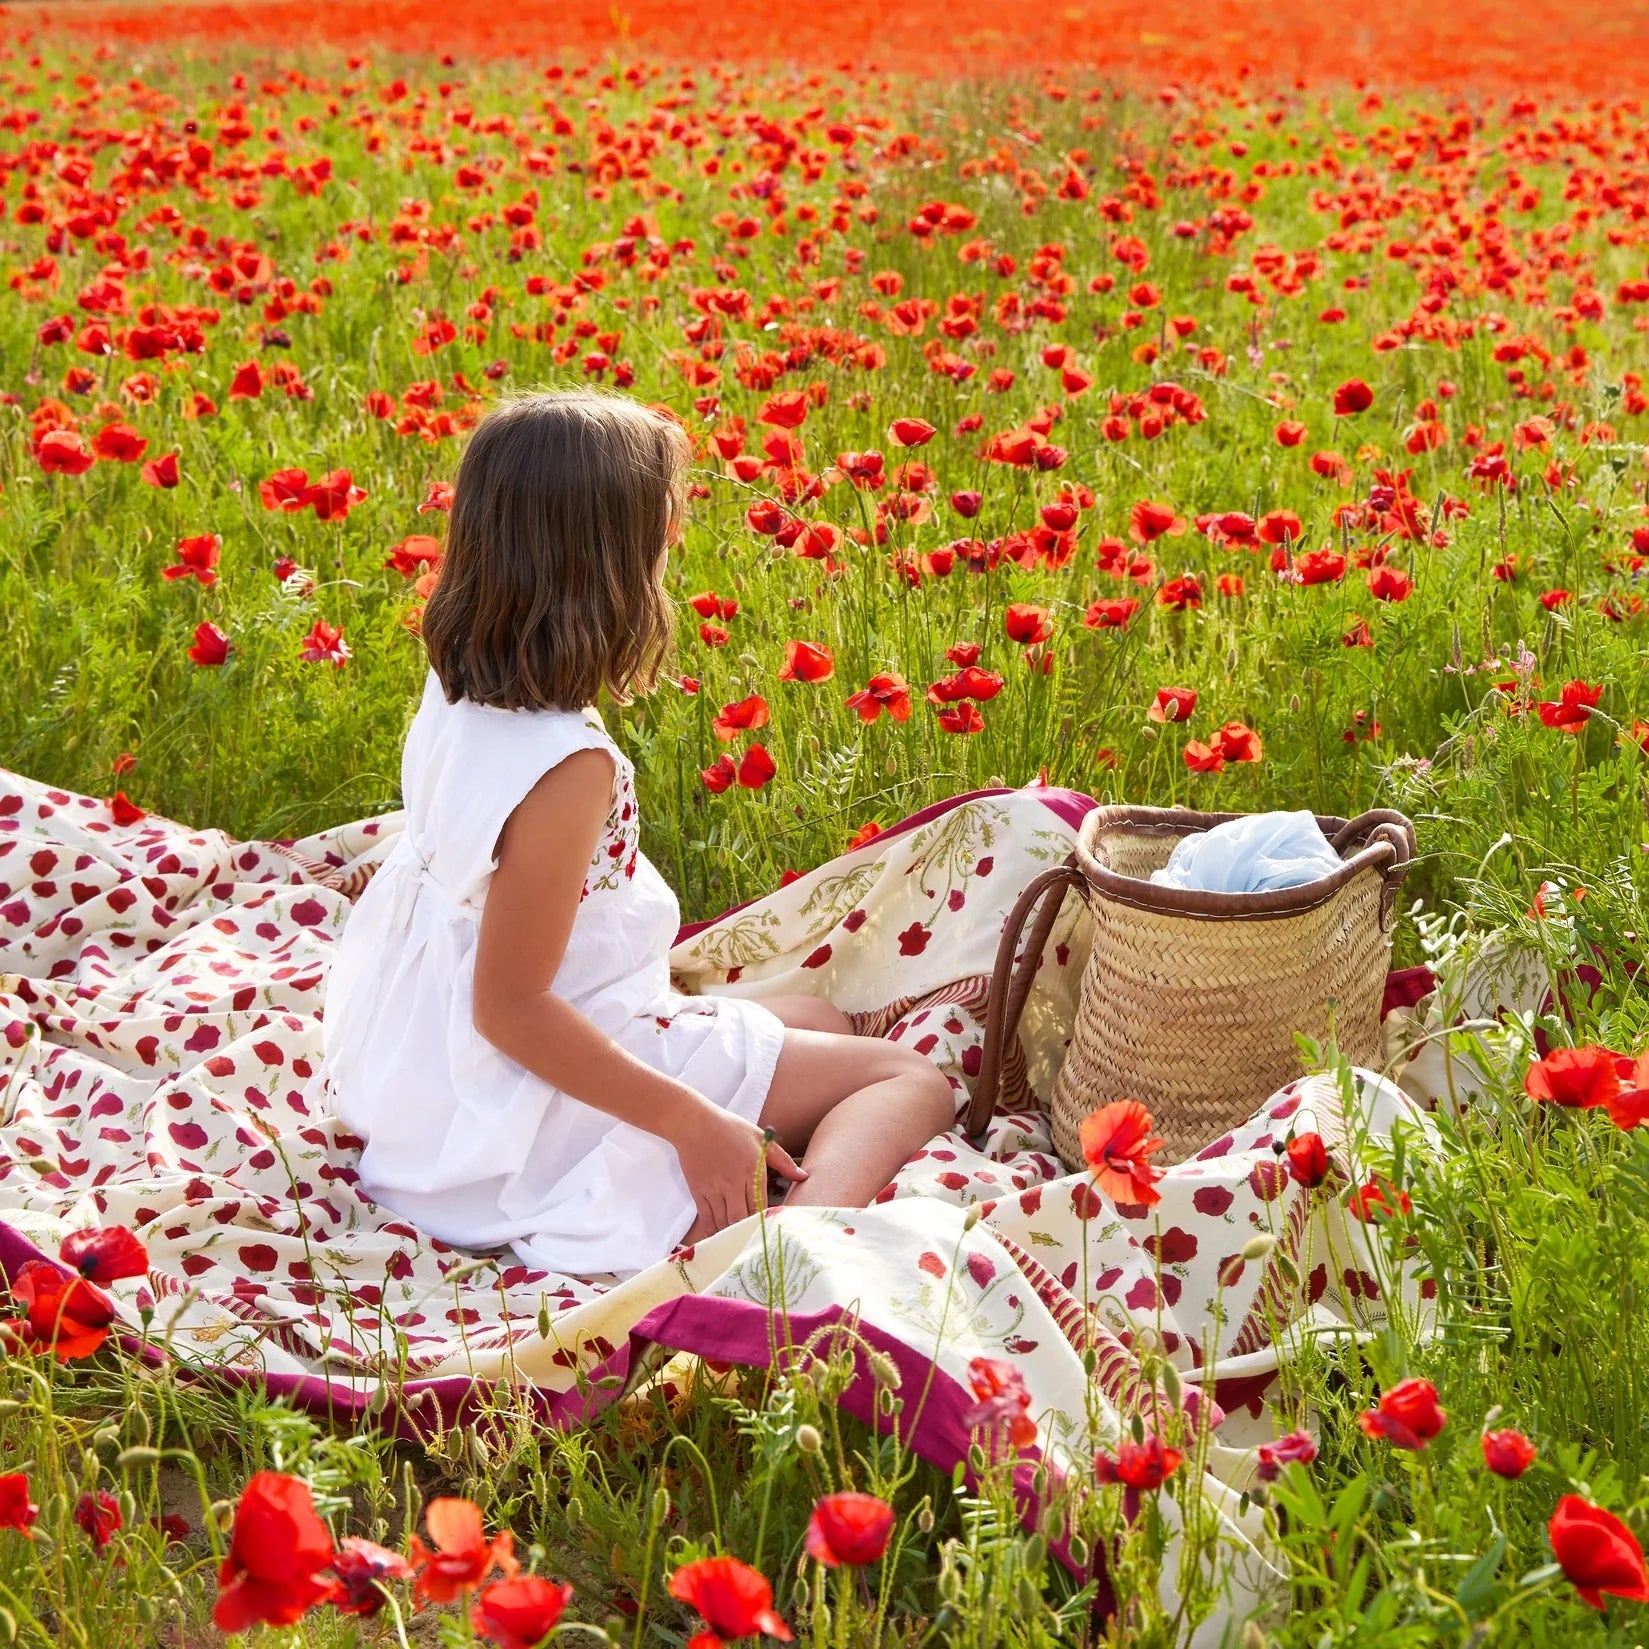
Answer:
(721, 1155)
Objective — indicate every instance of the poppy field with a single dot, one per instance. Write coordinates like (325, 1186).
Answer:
(1173, 429)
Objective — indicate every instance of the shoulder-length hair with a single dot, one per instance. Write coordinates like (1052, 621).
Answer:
(550, 587)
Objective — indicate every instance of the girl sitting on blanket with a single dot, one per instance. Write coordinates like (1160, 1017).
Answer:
(500, 1024)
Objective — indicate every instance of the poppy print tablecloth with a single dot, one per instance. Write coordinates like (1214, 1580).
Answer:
(162, 992)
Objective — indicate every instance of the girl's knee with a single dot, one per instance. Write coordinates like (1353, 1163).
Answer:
(933, 1099)
(810, 1013)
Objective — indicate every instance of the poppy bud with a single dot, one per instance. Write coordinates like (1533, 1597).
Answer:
(1257, 1247)
(808, 1439)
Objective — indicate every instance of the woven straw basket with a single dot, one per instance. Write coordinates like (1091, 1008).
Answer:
(1191, 1001)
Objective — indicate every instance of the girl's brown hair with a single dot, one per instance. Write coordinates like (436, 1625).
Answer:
(549, 588)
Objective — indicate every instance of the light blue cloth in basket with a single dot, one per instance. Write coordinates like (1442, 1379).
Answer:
(1254, 854)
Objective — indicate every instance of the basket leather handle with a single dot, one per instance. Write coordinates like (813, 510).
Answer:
(1010, 988)
(1382, 827)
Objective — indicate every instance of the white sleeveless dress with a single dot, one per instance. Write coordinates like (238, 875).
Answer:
(467, 1144)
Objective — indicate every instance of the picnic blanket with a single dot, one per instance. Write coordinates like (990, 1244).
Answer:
(161, 1000)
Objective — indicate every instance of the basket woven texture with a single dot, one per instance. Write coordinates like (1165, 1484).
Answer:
(1191, 1002)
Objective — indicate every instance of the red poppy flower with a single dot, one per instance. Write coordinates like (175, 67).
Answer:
(1508, 1453)
(62, 1313)
(17, 1511)
(1203, 758)
(162, 471)
(1572, 708)
(62, 452)
(1307, 1160)
(99, 1515)
(1279, 527)
(1352, 397)
(334, 495)
(961, 718)
(119, 444)
(1000, 1399)
(756, 768)
(1296, 1446)
(286, 489)
(459, 1556)
(1237, 742)
(416, 553)
(1027, 624)
(1597, 1552)
(735, 1600)
(887, 691)
(1579, 1078)
(106, 1255)
(439, 497)
(211, 646)
(1378, 1200)
(363, 1568)
(1148, 521)
(1181, 593)
(804, 661)
(967, 503)
(720, 775)
(1319, 567)
(910, 432)
(1139, 1466)
(1388, 584)
(848, 1528)
(1172, 704)
(1117, 1144)
(865, 834)
(743, 717)
(324, 644)
(1111, 615)
(1407, 1416)
(786, 410)
(1358, 634)
(247, 383)
(279, 1552)
(197, 557)
(519, 1614)
(1290, 433)
(123, 810)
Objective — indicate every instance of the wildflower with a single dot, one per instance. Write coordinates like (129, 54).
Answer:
(1407, 1416)
(1378, 1200)
(1597, 1552)
(1000, 1398)
(324, 644)
(459, 1556)
(197, 558)
(210, 646)
(743, 717)
(961, 718)
(735, 1600)
(1148, 521)
(1578, 1078)
(119, 444)
(439, 497)
(1297, 1447)
(1180, 593)
(1027, 624)
(1508, 1453)
(967, 503)
(1172, 704)
(333, 496)
(17, 1510)
(286, 489)
(106, 1255)
(162, 472)
(1319, 567)
(848, 1528)
(123, 810)
(1139, 1467)
(803, 661)
(1352, 397)
(786, 410)
(1388, 584)
(1307, 1160)
(1237, 742)
(1572, 708)
(887, 691)
(519, 1614)
(416, 553)
(1111, 615)
(864, 835)
(62, 1313)
(279, 1554)
(63, 452)
(1117, 1144)
(911, 432)
(719, 775)
(362, 1568)
(99, 1515)
(756, 768)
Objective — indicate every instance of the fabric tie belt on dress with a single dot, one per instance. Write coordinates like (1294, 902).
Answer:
(413, 871)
